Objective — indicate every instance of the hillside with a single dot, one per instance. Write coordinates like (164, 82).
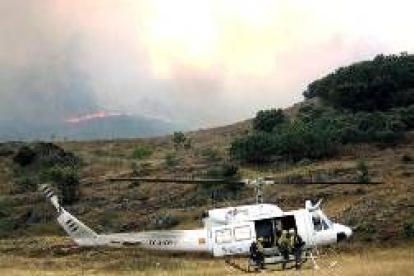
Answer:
(382, 212)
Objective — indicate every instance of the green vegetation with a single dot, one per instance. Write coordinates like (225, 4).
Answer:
(257, 147)
(171, 159)
(367, 102)
(142, 152)
(211, 154)
(24, 156)
(66, 180)
(408, 229)
(45, 162)
(381, 84)
(362, 172)
(267, 120)
(318, 132)
(225, 170)
(179, 139)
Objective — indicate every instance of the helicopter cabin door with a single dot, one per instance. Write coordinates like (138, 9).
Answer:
(233, 239)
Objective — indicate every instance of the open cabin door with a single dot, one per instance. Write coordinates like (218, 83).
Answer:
(234, 239)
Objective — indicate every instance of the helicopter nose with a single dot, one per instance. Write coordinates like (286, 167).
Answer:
(348, 232)
(343, 232)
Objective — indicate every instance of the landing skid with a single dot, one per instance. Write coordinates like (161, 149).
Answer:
(278, 260)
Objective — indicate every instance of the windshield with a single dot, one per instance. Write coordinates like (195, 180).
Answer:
(321, 221)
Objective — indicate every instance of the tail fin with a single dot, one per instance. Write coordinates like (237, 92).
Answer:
(78, 231)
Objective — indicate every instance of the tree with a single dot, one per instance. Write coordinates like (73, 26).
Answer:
(257, 147)
(381, 84)
(267, 120)
(178, 139)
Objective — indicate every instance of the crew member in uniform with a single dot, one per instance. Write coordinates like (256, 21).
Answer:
(285, 246)
(256, 253)
(297, 249)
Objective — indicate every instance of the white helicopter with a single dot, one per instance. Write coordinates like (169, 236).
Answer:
(226, 232)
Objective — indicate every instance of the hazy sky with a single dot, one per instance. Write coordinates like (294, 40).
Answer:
(198, 61)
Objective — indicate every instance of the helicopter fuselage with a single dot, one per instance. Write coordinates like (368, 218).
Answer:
(227, 231)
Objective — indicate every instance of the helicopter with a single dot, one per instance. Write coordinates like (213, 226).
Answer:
(226, 231)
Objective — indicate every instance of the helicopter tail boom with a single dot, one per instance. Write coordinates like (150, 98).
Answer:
(79, 232)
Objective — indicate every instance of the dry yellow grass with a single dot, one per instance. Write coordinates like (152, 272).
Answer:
(40, 261)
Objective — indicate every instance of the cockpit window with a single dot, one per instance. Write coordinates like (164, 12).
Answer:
(325, 225)
(321, 223)
(317, 223)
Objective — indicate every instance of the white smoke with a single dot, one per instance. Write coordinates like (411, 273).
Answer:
(67, 58)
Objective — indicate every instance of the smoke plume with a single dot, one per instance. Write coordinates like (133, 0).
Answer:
(195, 63)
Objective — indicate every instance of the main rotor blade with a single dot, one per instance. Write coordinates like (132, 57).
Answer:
(178, 180)
(307, 182)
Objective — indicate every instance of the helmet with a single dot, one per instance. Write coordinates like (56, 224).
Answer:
(260, 239)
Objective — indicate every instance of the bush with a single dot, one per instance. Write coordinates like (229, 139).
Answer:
(171, 160)
(258, 147)
(142, 152)
(66, 180)
(24, 184)
(407, 116)
(178, 139)
(225, 171)
(24, 156)
(383, 83)
(362, 172)
(408, 229)
(211, 154)
(267, 120)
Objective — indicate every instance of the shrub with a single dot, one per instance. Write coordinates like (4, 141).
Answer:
(66, 180)
(362, 172)
(171, 159)
(267, 120)
(408, 229)
(24, 156)
(211, 154)
(142, 152)
(24, 184)
(225, 171)
(407, 116)
(258, 147)
(178, 139)
(380, 84)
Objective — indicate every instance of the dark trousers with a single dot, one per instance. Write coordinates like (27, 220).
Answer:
(297, 252)
(285, 255)
(259, 260)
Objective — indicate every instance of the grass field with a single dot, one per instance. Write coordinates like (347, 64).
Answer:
(42, 257)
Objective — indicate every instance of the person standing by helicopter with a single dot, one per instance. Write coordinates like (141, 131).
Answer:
(297, 248)
(285, 246)
(257, 253)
